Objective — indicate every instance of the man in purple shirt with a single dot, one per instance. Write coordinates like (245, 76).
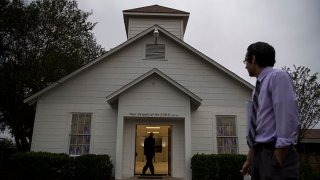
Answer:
(275, 123)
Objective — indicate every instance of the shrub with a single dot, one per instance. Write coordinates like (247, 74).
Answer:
(307, 172)
(92, 167)
(227, 167)
(213, 166)
(52, 166)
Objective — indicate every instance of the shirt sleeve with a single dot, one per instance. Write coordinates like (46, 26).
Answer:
(286, 109)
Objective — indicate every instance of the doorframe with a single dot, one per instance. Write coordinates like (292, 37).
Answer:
(175, 123)
(161, 123)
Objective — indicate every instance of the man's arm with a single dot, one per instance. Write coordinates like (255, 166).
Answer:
(247, 164)
(285, 110)
(286, 114)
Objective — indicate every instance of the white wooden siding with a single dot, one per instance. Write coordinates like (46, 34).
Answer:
(137, 25)
(153, 95)
(87, 91)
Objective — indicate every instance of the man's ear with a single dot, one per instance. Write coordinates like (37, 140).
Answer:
(253, 59)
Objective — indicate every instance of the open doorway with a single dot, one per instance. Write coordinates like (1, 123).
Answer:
(162, 160)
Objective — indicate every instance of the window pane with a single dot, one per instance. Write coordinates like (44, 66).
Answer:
(80, 133)
(80, 129)
(85, 149)
(86, 139)
(232, 133)
(86, 130)
(226, 131)
(81, 118)
(79, 140)
(74, 128)
(226, 126)
(72, 150)
(234, 130)
(78, 150)
(220, 131)
(83, 140)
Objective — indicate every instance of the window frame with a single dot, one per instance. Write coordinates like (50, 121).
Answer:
(155, 59)
(233, 136)
(77, 134)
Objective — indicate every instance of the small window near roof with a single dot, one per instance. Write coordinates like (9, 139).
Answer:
(155, 52)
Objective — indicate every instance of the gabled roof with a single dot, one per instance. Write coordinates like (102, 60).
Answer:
(156, 9)
(32, 99)
(195, 100)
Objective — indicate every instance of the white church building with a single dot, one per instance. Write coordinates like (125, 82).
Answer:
(152, 82)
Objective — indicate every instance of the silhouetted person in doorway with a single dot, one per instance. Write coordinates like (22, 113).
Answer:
(149, 144)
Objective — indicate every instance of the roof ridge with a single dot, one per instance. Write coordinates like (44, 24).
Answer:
(156, 9)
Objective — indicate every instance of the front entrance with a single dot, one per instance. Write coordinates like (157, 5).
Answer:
(162, 160)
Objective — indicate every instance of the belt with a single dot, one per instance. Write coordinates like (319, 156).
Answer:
(261, 146)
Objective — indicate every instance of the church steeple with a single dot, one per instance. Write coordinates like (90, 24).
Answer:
(138, 19)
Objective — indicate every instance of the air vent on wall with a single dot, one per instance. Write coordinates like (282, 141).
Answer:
(155, 52)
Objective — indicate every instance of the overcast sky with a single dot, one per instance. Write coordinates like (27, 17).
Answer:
(223, 29)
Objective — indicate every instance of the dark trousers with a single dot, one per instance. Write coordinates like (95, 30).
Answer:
(149, 165)
(264, 165)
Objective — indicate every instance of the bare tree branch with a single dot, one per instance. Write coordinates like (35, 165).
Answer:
(307, 90)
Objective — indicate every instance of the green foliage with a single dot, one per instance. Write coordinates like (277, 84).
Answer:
(6, 143)
(40, 42)
(306, 172)
(90, 164)
(7, 148)
(43, 165)
(307, 89)
(217, 166)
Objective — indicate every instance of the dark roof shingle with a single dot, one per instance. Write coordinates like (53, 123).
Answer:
(156, 9)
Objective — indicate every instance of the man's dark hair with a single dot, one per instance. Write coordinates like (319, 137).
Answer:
(264, 53)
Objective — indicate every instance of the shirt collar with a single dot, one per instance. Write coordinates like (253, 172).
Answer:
(264, 73)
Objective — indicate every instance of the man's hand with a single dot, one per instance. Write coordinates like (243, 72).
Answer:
(245, 168)
(247, 164)
(281, 154)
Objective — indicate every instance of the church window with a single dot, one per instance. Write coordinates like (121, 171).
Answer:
(80, 134)
(227, 140)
